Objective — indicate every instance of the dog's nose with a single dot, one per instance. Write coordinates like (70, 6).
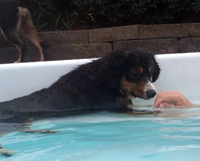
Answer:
(150, 93)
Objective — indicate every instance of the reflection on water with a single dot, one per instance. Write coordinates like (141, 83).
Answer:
(171, 135)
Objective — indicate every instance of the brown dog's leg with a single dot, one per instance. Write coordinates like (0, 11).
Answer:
(13, 37)
(5, 152)
(42, 131)
(27, 28)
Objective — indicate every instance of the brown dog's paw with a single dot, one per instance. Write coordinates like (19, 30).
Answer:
(5, 152)
(42, 131)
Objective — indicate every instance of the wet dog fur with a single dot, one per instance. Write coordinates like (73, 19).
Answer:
(109, 83)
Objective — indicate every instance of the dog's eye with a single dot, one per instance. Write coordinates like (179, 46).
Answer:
(151, 70)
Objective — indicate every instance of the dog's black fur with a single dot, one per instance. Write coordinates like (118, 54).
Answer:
(15, 18)
(109, 82)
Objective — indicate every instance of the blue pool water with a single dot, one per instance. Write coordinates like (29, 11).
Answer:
(173, 135)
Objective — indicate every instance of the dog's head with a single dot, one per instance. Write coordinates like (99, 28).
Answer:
(132, 73)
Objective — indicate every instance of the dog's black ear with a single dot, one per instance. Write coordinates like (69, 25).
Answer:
(113, 68)
(156, 72)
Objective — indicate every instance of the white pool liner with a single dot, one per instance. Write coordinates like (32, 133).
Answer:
(180, 72)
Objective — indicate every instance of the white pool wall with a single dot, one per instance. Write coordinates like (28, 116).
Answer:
(180, 72)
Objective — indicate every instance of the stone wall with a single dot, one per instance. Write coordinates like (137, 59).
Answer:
(159, 39)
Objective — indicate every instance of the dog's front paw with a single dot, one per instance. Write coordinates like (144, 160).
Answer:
(17, 61)
(5, 152)
(42, 131)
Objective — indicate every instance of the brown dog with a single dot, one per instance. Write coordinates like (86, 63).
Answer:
(15, 18)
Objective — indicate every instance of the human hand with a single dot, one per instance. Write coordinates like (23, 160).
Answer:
(171, 99)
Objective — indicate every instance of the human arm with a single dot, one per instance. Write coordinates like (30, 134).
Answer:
(172, 99)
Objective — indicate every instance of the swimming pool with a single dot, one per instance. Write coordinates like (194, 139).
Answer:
(173, 135)
(107, 136)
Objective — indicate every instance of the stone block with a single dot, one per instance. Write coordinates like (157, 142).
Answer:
(157, 46)
(113, 34)
(54, 38)
(165, 30)
(195, 29)
(78, 51)
(189, 44)
(64, 37)
(4, 42)
(8, 55)
(57, 52)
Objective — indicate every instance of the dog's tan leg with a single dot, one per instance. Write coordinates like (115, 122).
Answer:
(27, 28)
(13, 38)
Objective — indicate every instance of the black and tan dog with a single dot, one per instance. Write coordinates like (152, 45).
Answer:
(109, 83)
(15, 18)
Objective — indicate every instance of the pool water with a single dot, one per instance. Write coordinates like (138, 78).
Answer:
(111, 137)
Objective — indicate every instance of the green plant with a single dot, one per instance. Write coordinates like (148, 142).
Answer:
(118, 12)
(70, 14)
(46, 15)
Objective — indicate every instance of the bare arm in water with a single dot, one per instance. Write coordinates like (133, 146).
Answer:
(172, 99)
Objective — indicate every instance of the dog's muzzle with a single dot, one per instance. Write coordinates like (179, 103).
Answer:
(150, 90)
(150, 93)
